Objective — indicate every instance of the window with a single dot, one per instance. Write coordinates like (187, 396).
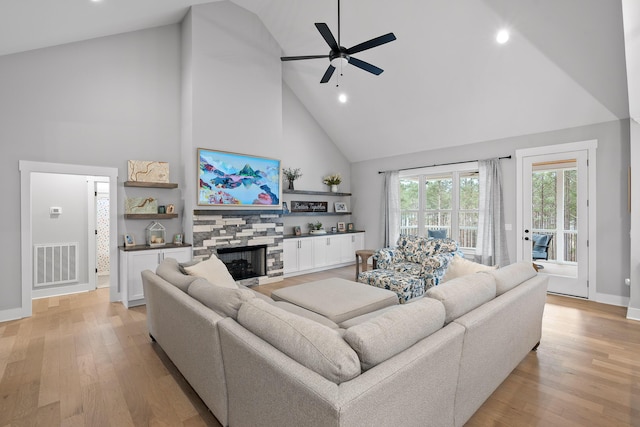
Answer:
(445, 202)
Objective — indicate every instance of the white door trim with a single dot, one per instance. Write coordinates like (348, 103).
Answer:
(26, 170)
(590, 146)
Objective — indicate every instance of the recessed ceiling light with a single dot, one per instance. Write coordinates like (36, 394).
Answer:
(503, 36)
(342, 98)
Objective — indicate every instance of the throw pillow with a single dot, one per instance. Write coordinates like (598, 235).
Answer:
(214, 271)
(437, 234)
(460, 266)
(395, 330)
(311, 344)
(224, 301)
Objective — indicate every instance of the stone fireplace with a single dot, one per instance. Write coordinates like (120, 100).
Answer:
(227, 233)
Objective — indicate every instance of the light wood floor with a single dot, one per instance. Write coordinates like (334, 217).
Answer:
(82, 361)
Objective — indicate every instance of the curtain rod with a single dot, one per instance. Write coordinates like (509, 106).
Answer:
(444, 164)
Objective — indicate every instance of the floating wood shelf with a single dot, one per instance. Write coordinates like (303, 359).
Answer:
(150, 216)
(315, 193)
(150, 184)
(316, 213)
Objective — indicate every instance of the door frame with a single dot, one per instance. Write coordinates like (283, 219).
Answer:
(26, 169)
(590, 147)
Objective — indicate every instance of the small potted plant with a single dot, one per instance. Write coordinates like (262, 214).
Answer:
(291, 175)
(316, 228)
(333, 181)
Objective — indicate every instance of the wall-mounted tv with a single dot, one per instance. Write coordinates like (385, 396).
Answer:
(232, 180)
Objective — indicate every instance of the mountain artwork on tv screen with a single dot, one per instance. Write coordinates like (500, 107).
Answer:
(238, 180)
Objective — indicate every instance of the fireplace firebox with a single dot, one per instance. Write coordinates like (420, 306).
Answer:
(244, 262)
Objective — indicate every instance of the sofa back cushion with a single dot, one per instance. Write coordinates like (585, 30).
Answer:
(395, 330)
(460, 296)
(169, 270)
(512, 275)
(224, 301)
(311, 344)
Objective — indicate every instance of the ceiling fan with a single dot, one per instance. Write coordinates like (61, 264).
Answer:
(340, 55)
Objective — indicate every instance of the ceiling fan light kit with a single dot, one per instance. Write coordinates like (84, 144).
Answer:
(339, 56)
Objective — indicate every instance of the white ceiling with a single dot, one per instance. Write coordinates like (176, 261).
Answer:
(446, 81)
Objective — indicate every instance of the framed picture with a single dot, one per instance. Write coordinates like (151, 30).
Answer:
(129, 240)
(177, 239)
(171, 209)
(285, 208)
(340, 207)
(341, 227)
(238, 181)
(333, 229)
(297, 231)
(351, 227)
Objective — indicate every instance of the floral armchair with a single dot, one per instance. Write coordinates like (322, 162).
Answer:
(420, 257)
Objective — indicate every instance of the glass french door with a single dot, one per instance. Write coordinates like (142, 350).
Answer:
(555, 219)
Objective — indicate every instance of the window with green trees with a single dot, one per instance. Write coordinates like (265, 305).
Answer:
(447, 201)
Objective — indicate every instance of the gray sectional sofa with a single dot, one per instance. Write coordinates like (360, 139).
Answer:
(431, 362)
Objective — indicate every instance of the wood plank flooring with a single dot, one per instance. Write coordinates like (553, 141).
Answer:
(82, 361)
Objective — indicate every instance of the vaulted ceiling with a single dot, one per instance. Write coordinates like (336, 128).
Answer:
(446, 80)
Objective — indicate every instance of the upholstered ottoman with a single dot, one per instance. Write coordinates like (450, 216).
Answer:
(336, 299)
(404, 285)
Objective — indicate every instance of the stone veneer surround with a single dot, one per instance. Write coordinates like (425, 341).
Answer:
(214, 229)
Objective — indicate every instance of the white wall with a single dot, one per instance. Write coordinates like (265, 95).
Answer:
(70, 193)
(100, 102)
(612, 215)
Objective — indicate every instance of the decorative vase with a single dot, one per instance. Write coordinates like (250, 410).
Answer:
(334, 188)
(291, 185)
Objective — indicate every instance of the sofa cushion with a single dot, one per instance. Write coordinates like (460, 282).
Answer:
(365, 317)
(224, 301)
(214, 271)
(311, 344)
(460, 266)
(463, 294)
(307, 314)
(169, 270)
(395, 330)
(512, 275)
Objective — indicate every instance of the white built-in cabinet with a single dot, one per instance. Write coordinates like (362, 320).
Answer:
(314, 253)
(134, 261)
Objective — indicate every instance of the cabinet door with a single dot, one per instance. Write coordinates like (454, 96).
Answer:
(320, 246)
(290, 255)
(334, 249)
(137, 262)
(350, 245)
(180, 254)
(305, 254)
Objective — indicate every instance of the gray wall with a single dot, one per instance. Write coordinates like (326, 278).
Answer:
(98, 102)
(108, 100)
(70, 193)
(613, 218)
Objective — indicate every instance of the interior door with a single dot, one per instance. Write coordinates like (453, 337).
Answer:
(555, 219)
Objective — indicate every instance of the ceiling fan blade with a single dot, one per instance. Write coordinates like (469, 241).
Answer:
(325, 32)
(328, 74)
(365, 66)
(371, 43)
(298, 58)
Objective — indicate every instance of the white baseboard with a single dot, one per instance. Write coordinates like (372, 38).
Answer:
(633, 313)
(58, 291)
(612, 299)
(11, 314)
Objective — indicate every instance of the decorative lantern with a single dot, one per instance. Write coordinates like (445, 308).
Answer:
(155, 234)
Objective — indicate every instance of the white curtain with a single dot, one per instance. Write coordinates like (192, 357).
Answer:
(491, 247)
(391, 208)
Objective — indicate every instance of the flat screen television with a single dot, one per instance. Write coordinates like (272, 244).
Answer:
(232, 180)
